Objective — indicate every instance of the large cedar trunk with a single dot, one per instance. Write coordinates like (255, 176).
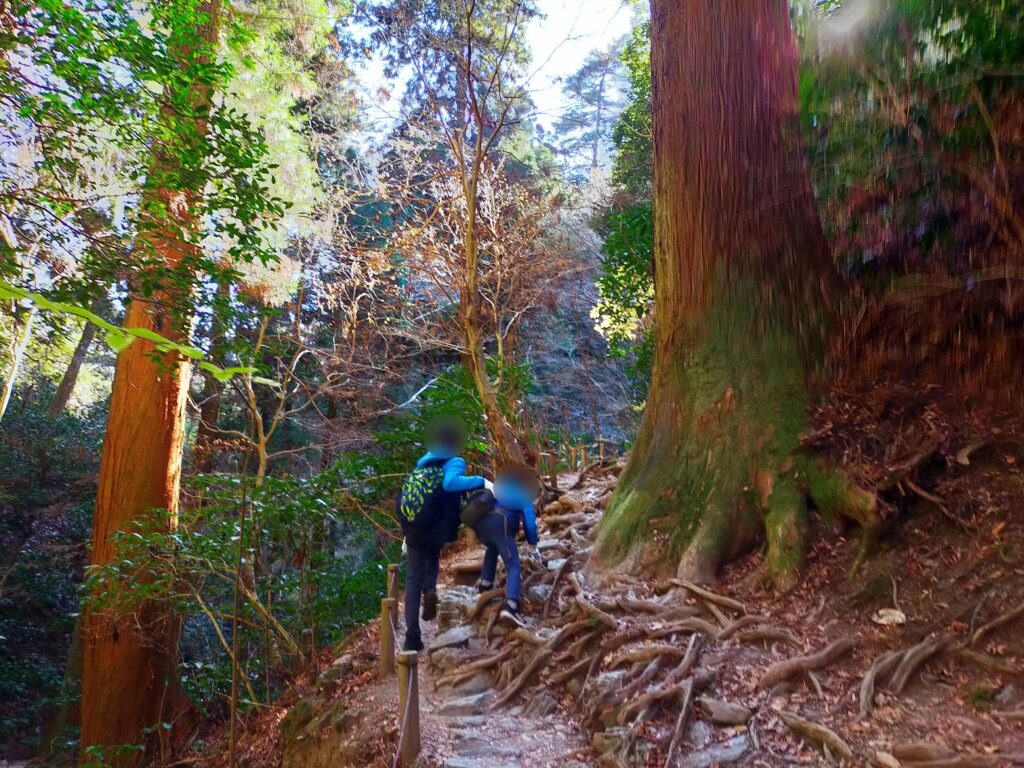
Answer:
(128, 659)
(742, 279)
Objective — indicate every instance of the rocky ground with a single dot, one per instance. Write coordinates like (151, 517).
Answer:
(917, 661)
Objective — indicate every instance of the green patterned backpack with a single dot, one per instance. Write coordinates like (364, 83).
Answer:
(421, 503)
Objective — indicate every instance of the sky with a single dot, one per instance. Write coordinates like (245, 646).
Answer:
(560, 40)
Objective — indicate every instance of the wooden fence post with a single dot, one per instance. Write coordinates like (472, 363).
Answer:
(408, 708)
(583, 456)
(392, 592)
(553, 469)
(387, 637)
(600, 450)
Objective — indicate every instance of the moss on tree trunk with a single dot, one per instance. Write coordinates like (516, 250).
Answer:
(742, 286)
(711, 470)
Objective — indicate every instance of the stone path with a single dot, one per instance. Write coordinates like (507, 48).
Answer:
(457, 726)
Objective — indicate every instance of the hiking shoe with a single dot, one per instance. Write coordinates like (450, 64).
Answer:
(510, 612)
(412, 643)
(484, 586)
(430, 605)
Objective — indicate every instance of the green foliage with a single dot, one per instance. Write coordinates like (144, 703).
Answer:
(626, 288)
(901, 132)
(632, 135)
(46, 476)
(306, 561)
(623, 314)
(117, 107)
(118, 338)
(399, 441)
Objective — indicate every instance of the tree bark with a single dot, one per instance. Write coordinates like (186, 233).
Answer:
(17, 357)
(506, 445)
(128, 659)
(742, 282)
(67, 382)
(213, 392)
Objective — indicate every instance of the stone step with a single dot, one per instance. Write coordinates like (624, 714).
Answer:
(474, 762)
(476, 704)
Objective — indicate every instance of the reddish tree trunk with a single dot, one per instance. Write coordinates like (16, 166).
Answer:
(128, 659)
(741, 279)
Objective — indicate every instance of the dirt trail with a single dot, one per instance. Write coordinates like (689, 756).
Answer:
(663, 673)
(459, 730)
(917, 662)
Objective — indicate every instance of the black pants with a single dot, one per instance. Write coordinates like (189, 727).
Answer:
(495, 533)
(422, 562)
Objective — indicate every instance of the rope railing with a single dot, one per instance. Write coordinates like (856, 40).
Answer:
(576, 456)
(408, 676)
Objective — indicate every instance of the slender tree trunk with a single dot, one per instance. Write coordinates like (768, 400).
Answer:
(209, 415)
(506, 446)
(128, 661)
(17, 357)
(213, 391)
(742, 279)
(67, 382)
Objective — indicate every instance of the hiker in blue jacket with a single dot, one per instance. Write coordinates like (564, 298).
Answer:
(514, 492)
(443, 475)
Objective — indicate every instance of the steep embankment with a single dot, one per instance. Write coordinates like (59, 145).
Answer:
(915, 662)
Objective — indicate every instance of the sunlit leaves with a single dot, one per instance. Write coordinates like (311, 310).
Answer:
(118, 338)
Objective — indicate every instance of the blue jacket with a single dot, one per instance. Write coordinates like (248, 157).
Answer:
(455, 478)
(455, 483)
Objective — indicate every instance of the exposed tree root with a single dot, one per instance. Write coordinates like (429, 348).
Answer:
(881, 667)
(645, 653)
(570, 503)
(817, 734)
(467, 671)
(482, 602)
(990, 663)
(678, 729)
(725, 712)
(1006, 618)
(740, 624)
(566, 520)
(554, 585)
(563, 677)
(767, 635)
(692, 624)
(803, 664)
(596, 613)
(574, 650)
(909, 464)
(914, 658)
(971, 761)
(709, 596)
(1011, 716)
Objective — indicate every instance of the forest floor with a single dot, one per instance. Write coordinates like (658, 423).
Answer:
(918, 660)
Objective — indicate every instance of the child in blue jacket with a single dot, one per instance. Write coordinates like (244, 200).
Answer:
(423, 548)
(514, 492)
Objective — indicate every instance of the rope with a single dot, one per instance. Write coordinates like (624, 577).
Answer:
(408, 697)
(401, 730)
